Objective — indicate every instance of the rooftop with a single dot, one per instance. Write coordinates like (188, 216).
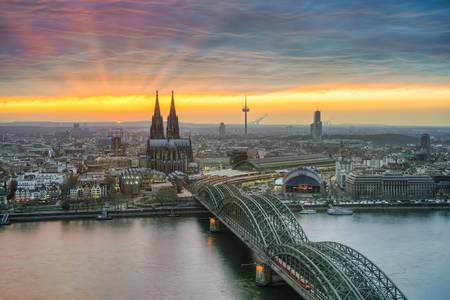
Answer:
(169, 142)
(279, 162)
(227, 173)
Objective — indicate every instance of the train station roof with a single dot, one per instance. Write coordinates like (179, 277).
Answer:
(280, 162)
(227, 173)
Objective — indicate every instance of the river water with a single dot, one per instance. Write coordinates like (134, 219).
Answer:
(177, 258)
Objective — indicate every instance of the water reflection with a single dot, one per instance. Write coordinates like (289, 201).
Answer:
(25, 226)
(177, 258)
(237, 261)
(410, 247)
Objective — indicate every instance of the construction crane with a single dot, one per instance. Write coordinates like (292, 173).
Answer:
(258, 121)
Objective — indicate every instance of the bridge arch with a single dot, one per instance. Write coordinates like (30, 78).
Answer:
(322, 278)
(238, 214)
(323, 270)
(265, 220)
(206, 193)
(295, 230)
(378, 279)
(281, 216)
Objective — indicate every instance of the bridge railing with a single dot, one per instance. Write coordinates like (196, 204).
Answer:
(322, 270)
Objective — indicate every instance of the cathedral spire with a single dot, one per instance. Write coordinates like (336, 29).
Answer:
(157, 110)
(157, 127)
(173, 113)
(173, 130)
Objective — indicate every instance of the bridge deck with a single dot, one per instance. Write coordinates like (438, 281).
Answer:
(316, 270)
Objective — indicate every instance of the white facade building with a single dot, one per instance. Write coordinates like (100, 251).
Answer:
(389, 186)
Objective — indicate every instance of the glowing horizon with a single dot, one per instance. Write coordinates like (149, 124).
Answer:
(368, 105)
(358, 62)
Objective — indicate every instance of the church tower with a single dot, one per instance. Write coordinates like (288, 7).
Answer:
(173, 130)
(157, 127)
(171, 153)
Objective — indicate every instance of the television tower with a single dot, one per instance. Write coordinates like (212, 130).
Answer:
(245, 110)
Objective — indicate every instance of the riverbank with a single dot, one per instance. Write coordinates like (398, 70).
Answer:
(92, 214)
(198, 210)
(378, 207)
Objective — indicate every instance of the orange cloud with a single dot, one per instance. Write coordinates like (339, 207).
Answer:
(388, 104)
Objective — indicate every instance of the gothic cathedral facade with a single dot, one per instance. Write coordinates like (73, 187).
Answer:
(168, 152)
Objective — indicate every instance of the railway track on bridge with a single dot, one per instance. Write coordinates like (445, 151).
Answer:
(316, 270)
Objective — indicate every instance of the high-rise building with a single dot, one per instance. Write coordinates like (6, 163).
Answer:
(222, 130)
(425, 144)
(117, 147)
(171, 153)
(316, 127)
(78, 132)
(116, 144)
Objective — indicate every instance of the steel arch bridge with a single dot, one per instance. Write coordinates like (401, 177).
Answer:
(316, 270)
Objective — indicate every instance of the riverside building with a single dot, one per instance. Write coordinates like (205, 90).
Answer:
(389, 186)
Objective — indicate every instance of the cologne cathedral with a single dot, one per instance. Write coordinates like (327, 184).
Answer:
(169, 152)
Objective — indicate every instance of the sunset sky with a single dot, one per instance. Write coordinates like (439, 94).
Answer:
(385, 62)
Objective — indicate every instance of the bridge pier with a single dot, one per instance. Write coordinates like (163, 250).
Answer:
(4, 220)
(215, 225)
(263, 274)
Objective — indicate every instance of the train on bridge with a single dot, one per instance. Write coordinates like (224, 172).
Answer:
(316, 270)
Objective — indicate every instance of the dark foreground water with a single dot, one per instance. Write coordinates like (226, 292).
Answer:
(177, 258)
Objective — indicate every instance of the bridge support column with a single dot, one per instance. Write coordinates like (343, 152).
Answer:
(214, 224)
(263, 274)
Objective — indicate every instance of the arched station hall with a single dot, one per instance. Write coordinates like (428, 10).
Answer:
(302, 180)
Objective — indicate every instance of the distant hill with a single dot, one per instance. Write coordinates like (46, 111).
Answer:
(382, 139)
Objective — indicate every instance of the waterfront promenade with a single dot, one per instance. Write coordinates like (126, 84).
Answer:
(196, 209)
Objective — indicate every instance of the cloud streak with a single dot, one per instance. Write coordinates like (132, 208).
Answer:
(89, 48)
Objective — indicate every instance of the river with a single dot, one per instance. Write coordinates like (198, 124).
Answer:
(177, 258)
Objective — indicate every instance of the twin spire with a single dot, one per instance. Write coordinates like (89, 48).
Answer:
(157, 127)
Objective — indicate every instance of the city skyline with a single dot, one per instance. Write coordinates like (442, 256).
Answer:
(373, 62)
(337, 111)
(198, 149)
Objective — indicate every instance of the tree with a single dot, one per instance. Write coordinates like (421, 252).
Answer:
(166, 194)
(70, 183)
(65, 205)
(179, 184)
(12, 189)
(110, 181)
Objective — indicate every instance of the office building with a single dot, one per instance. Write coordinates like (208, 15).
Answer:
(425, 145)
(222, 130)
(389, 186)
(316, 127)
